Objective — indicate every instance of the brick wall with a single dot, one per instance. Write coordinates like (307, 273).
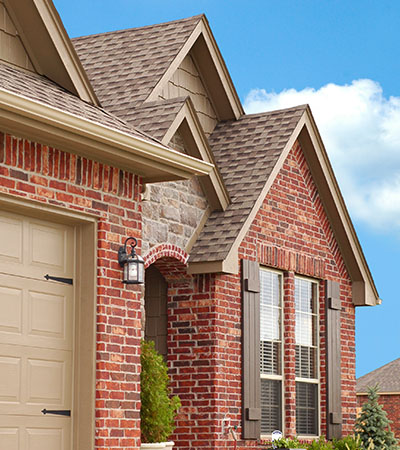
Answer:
(291, 233)
(47, 175)
(391, 404)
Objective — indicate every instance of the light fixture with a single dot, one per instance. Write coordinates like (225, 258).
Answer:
(133, 264)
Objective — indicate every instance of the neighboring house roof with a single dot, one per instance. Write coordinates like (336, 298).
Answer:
(125, 66)
(246, 151)
(387, 377)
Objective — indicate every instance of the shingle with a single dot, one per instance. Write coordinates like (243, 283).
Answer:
(128, 64)
(245, 151)
(387, 377)
(39, 88)
(155, 118)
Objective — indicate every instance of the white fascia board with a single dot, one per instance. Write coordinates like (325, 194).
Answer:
(34, 119)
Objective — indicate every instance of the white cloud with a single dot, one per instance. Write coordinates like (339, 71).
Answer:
(361, 132)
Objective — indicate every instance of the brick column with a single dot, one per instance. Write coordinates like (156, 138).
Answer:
(289, 351)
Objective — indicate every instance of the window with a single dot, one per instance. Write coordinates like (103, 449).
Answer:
(307, 384)
(271, 350)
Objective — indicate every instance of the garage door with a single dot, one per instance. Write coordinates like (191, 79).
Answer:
(36, 333)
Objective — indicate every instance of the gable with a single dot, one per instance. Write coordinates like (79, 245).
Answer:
(212, 70)
(140, 57)
(45, 40)
(292, 221)
(12, 49)
(186, 81)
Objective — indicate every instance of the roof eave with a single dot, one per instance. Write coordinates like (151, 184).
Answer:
(364, 289)
(151, 160)
(198, 147)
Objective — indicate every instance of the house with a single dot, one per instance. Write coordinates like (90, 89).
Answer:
(387, 378)
(253, 267)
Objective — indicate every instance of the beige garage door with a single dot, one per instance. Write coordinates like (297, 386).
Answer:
(36, 333)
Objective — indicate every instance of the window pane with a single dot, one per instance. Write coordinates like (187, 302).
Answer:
(270, 358)
(306, 408)
(306, 364)
(306, 328)
(270, 323)
(271, 413)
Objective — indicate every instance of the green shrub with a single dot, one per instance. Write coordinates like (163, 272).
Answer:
(348, 443)
(288, 443)
(158, 411)
(320, 444)
(373, 426)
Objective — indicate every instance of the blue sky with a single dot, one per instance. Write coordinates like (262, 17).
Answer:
(341, 57)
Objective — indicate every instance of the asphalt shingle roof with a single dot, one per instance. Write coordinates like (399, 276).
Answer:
(155, 118)
(245, 151)
(125, 66)
(387, 376)
(39, 88)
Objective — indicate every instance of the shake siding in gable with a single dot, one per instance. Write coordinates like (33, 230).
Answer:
(186, 81)
(12, 49)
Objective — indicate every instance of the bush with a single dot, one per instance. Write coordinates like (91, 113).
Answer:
(320, 444)
(373, 426)
(288, 443)
(158, 411)
(348, 443)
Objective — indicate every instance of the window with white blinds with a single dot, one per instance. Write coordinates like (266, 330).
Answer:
(271, 350)
(307, 382)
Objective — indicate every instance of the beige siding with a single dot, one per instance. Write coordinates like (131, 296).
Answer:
(172, 210)
(11, 47)
(186, 81)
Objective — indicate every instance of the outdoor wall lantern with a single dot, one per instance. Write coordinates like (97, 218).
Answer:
(133, 264)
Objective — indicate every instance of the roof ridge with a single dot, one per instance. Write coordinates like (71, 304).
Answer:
(127, 30)
(301, 107)
(379, 368)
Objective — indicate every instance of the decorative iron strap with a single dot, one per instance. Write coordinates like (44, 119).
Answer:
(57, 412)
(59, 279)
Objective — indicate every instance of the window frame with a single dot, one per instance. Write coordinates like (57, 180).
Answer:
(275, 377)
(314, 381)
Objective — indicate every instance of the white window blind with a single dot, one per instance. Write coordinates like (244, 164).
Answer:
(306, 357)
(271, 350)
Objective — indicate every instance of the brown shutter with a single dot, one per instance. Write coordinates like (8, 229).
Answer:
(251, 419)
(333, 354)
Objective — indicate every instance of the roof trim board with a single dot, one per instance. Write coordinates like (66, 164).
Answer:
(35, 120)
(228, 105)
(364, 290)
(197, 144)
(49, 47)
(380, 393)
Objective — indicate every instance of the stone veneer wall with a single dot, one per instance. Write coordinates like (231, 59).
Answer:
(172, 210)
(290, 233)
(47, 175)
